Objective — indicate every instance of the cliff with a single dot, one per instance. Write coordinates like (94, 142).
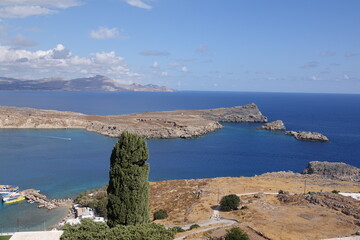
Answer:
(170, 124)
(333, 170)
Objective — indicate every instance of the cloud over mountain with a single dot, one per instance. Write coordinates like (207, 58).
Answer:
(60, 61)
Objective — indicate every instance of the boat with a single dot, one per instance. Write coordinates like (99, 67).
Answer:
(14, 200)
(4, 189)
(10, 196)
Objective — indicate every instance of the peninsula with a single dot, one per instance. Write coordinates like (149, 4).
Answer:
(169, 124)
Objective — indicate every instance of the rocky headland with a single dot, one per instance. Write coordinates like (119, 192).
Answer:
(308, 136)
(333, 170)
(277, 125)
(169, 124)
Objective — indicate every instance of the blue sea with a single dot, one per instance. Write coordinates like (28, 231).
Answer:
(49, 161)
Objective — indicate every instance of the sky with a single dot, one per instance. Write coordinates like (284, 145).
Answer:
(212, 45)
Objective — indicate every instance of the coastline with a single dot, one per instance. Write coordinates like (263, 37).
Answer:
(168, 124)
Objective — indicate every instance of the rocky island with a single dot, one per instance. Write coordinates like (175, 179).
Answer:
(308, 136)
(277, 125)
(169, 124)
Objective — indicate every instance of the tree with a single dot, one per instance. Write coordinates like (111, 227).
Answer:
(229, 202)
(128, 189)
(236, 233)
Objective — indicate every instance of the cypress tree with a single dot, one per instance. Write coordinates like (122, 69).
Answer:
(128, 189)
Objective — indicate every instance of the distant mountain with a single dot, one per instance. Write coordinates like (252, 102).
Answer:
(96, 83)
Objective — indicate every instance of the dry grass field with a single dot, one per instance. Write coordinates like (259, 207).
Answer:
(192, 201)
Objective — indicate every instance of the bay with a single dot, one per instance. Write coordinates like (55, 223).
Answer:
(60, 168)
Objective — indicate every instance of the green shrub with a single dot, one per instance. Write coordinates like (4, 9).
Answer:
(244, 207)
(335, 191)
(236, 233)
(178, 229)
(5, 237)
(160, 214)
(194, 226)
(89, 230)
(229, 202)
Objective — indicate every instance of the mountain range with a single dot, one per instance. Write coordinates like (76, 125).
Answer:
(96, 83)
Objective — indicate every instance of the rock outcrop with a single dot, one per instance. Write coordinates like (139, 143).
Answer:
(171, 124)
(308, 136)
(43, 202)
(277, 125)
(333, 170)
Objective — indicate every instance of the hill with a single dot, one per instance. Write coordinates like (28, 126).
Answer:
(96, 83)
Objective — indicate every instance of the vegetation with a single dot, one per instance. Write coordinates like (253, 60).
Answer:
(160, 214)
(177, 229)
(128, 189)
(194, 226)
(236, 233)
(229, 202)
(89, 230)
(95, 199)
(5, 237)
(244, 207)
(335, 191)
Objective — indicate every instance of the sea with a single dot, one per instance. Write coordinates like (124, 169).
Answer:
(63, 163)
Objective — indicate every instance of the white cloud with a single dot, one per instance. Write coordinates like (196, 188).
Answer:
(327, 53)
(20, 40)
(346, 77)
(26, 8)
(59, 61)
(314, 78)
(24, 11)
(104, 33)
(138, 3)
(311, 64)
(44, 3)
(184, 69)
(154, 53)
(155, 64)
(164, 74)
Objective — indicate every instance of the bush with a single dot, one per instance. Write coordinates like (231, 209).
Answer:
(194, 226)
(335, 191)
(236, 233)
(244, 207)
(160, 214)
(229, 202)
(89, 230)
(178, 229)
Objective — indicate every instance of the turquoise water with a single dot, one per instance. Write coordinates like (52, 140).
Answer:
(59, 167)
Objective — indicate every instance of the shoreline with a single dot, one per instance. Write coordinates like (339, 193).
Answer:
(150, 125)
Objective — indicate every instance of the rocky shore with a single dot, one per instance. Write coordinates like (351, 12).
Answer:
(170, 124)
(333, 170)
(43, 202)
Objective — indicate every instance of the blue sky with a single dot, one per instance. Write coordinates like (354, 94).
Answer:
(218, 45)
